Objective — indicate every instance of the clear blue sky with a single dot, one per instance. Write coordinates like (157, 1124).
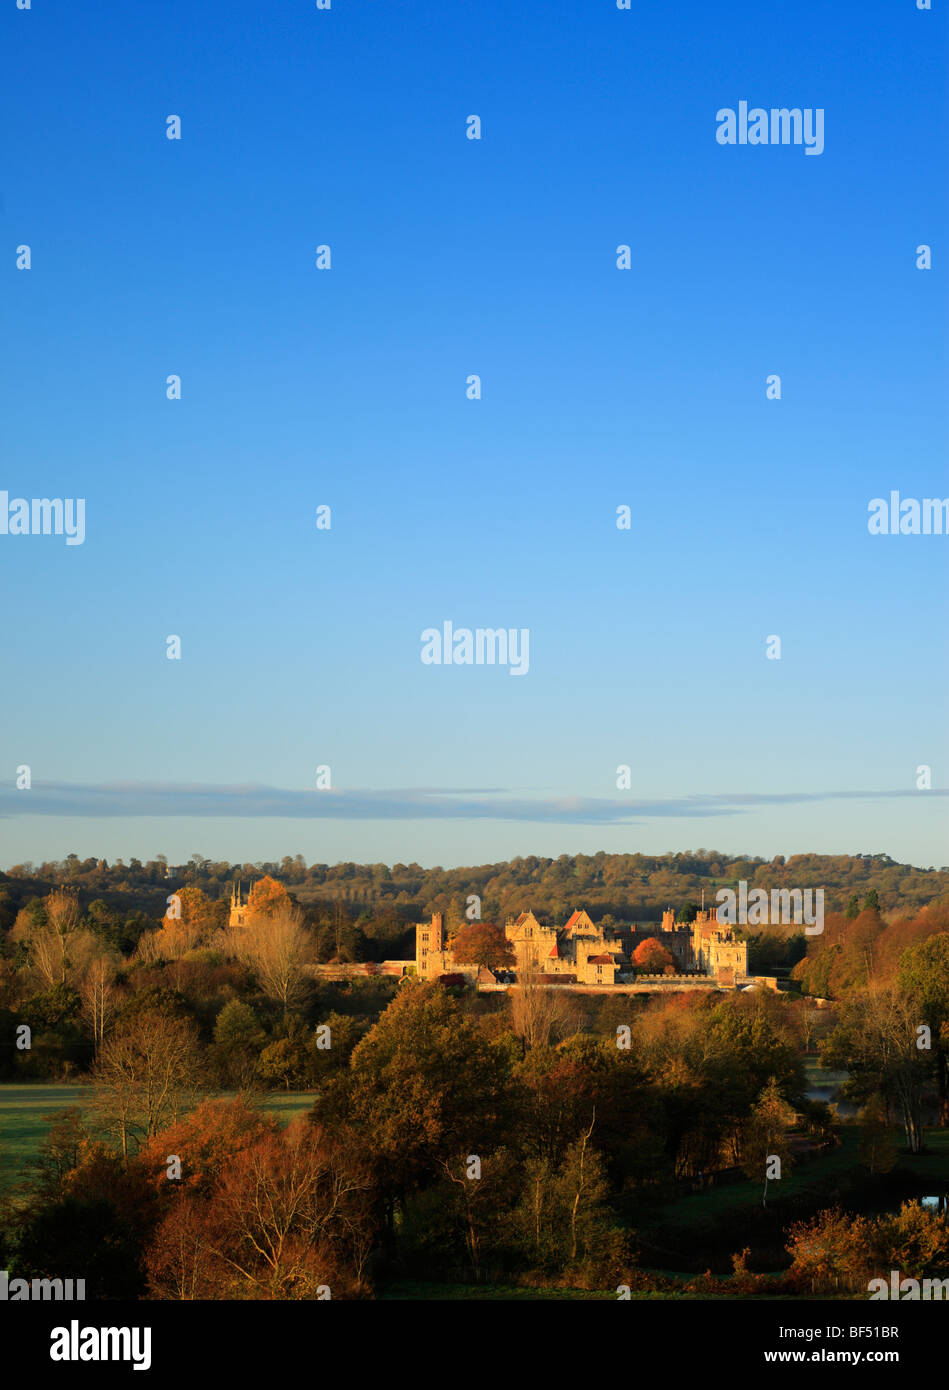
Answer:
(600, 387)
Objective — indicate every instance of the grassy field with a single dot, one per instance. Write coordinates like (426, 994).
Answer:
(23, 1125)
(735, 1198)
(22, 1121)
(719, 1203)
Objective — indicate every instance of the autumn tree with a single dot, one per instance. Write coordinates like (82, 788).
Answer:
(190, 920)
(876, 1039)
(765, 1142)
(914, 1240)
(923, 979)
(206, 1139)
(287, 1060)
(829, 1250)
(57, 943)
(710, 1060)
(483, 944)
(836, 1248)
(423, 1085)
(267, 897)
(85, 1211)
(652, 957)
(286, 1217)
(563, 1216)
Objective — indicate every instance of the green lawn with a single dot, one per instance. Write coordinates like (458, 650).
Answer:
(720, 1203)
(824, 1077)
(934, 1163)
(22, 1123)
(23, 1126)
(715, 1203)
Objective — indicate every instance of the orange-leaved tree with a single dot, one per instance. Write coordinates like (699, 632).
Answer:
(483, 943)
(266, 897)
(651, 955)
(287, 1216)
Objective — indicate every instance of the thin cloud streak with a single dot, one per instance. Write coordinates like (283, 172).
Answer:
(133, 799)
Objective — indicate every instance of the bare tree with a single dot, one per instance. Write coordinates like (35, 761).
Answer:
(277, 947)
(98, 997)
(890, 1031)
(150, 947)
(46, 955)
(49, 945)
(582, 1181)
(146, 1073)
(290, 1216)
(537, 1012)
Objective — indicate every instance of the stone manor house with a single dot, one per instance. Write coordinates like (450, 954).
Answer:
(582, 953)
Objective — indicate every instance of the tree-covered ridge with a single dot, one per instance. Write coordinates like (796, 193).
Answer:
(627, 887)
(360, 913)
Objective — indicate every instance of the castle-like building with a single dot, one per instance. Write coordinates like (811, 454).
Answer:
(580, 952)
(238, 913)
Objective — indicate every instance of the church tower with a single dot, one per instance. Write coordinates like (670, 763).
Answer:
(238, 913)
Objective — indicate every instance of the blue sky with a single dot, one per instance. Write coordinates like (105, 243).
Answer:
(346, 387)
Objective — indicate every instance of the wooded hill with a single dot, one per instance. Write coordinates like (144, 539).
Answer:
(625, 887)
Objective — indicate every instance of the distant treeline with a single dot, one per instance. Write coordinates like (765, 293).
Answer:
(624, 887)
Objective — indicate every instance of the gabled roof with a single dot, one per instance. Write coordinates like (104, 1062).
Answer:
(554, 952)
(601, 960)
(581, 918)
